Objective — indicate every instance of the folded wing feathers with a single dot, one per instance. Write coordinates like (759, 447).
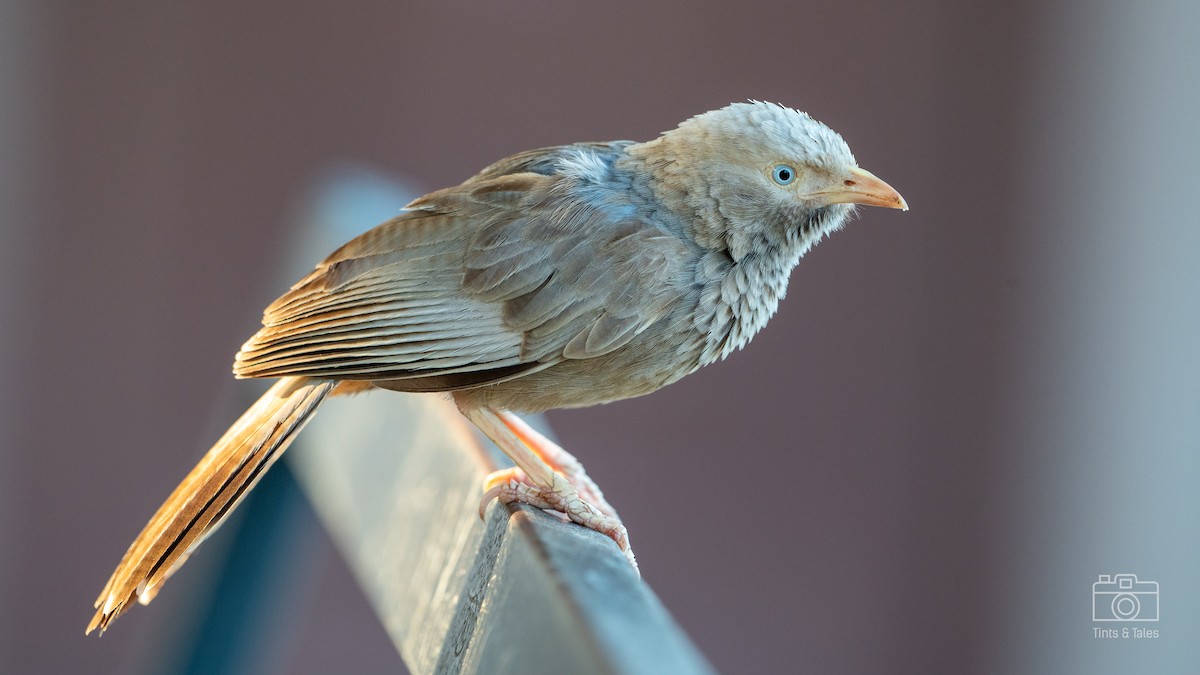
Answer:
(467, 281)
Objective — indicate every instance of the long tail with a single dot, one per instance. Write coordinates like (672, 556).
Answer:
(209, 493)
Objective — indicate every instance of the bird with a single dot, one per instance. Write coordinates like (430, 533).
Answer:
(560, 277)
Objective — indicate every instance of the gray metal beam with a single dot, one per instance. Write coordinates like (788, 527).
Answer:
(396, 478)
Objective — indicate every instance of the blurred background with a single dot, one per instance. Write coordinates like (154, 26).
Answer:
(960, 418)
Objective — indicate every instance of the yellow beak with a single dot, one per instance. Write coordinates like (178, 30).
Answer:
(859, 186)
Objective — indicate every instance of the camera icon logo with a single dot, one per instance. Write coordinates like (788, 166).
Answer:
(1122, 597)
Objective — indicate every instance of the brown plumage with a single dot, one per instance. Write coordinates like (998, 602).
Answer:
(559, 277)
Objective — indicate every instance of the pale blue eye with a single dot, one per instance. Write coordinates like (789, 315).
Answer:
(783, 174)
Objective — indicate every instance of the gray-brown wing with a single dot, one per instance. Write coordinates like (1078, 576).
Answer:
(477, 284)
(394, 312)
(544, 161)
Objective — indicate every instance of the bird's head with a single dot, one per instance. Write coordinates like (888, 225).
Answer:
(761, 175)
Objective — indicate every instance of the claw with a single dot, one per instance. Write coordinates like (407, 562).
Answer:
(488, 496)
(495, 483)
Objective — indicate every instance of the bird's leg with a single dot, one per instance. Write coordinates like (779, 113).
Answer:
(560, 460)
(535, 481)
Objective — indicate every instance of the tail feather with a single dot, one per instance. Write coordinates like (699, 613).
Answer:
(209, 493)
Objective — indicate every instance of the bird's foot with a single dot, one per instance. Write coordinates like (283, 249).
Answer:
(511, 485)
(561, 461)
(546, 476)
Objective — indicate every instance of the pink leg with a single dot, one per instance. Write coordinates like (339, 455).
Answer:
(537, 480)
(560, 460)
